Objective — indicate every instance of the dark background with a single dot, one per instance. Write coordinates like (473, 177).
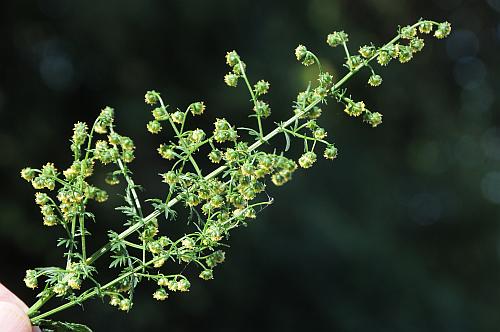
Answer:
(400, 233)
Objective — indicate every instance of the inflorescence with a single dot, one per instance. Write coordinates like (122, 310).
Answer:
(224, 199)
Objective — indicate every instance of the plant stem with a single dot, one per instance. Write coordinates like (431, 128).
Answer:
(82, 235)
(252, 94)
(38, 304)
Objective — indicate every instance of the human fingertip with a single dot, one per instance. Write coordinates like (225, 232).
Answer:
(13, 319)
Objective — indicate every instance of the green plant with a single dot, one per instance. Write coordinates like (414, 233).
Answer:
(218, 202)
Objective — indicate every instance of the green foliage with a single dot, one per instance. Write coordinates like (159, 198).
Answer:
(53, 326)
(226, 198)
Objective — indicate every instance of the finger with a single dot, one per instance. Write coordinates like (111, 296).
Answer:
(7, 296)
(13, 318)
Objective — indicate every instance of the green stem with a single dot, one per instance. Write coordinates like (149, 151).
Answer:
(291, 132)
(133, 245)
(82, 235)
(38, 304)
(347, 54)
(254, 99)
(72, 244)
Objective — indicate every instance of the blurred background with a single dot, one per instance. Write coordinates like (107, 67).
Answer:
(400, 233)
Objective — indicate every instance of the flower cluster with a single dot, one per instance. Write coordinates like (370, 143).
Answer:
(228, 196)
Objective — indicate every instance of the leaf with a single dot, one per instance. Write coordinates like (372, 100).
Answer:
(64, 242)
(56, 326)
(251, 131)
(118, 261)
(287, 137)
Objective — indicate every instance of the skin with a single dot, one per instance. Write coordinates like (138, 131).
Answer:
(13, 316)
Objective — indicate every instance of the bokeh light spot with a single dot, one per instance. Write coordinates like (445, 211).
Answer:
(490, 186)
(469, 72)
(462, 43)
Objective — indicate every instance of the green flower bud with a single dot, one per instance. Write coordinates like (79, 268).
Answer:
(31, 279)
(79, 133)
(405, 54)
(325, 79)
(28, 173)
(250, 213)
(393, 50)
(38, 182)
(125, 305)
(160, 294)
(188, 243)
(197, 108)
(183, 285)
(300, 52)
(49, 170)
(330, 152)
(279, 178)
(425, 27)
(163, 281)
(354, 109)
(231, 79)
(232, 58)
(74, 283)
(50, 220)
(262, 109)
(47, 210)
(105, 120)
(408, 32)
(196, 136)
(319, 133)
(367, 51)
(307, 159)
(151, 97)
(354, 61)
(375, 80)
(128, 156)
(126, 143)
(314, 113)
(112, 179)
(215, 156)
(154, 127)
(373, 119)
(261, 88)
(192, 199)
(383, 58)
(114, 301)
(160, 114)
(101, 196)
(219, 256)
(178, 117)
(217, 201)
(166, 151)
(240, 68)
(308, 59)
(443, 30)
(206, 274)
(41, 198)
(416, 44)
(337, 38)
(171, 177)
(114, 138)
(60, 289)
